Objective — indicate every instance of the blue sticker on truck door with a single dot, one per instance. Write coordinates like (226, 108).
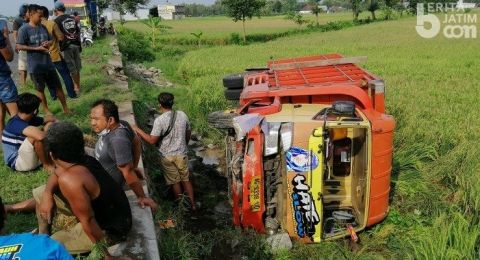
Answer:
(305, 212)
(300, 160)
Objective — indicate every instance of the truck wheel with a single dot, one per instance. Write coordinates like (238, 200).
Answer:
(221, 119)
(233, 94)
(253, 70)
(233, 81)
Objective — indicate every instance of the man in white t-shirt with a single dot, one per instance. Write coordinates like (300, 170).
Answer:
(171, 132)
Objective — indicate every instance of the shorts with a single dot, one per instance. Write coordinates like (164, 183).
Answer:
(8, 90)
(71, 233)
(71, 55)
(175, 168)
(27, 158)
(69, 230)
(22, 60)
(49, 78)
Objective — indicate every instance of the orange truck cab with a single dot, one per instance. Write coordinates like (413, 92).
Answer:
(309, 148)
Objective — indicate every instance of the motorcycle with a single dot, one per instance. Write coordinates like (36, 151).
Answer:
(86, 36)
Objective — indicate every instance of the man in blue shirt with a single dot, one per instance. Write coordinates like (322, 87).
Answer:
(8, 90)
(22, 138)
(34, 38)
(29, 246)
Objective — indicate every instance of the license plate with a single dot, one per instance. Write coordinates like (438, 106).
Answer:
(255, 194)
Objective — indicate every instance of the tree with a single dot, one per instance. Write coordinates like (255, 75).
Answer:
(296, 18)
(277, 7)
(290, 6)
(240, 10)
(315, 7)
(122, 6)
(355, 8)
(272, 7)
(372, 7)
(391, 3)
(217, 8)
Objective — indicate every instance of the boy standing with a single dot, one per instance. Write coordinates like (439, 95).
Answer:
(34, 38)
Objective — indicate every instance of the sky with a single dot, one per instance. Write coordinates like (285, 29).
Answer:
(10, 7)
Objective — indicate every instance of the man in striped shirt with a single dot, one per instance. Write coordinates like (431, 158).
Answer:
(22, 136)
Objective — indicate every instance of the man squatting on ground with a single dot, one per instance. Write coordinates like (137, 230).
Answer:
(171, 131)
(8, 90)
(80, 187)
(118, 149)
(34, 38)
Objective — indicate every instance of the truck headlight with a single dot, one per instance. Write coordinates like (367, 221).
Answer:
(286, 135)
(271, 139)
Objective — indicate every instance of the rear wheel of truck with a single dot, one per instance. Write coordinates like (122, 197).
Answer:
(233, 81)
(221, 119)
(233, 94)
(255, 70)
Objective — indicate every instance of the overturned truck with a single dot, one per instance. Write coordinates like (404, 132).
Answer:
(309, 148)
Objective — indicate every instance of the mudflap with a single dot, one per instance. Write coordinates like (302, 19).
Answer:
(253, 205)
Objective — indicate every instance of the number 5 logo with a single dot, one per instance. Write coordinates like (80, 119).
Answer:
(422, 19)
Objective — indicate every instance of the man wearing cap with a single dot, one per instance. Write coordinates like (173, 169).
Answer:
(71, 45)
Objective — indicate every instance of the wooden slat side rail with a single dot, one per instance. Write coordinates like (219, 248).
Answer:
(318, 63)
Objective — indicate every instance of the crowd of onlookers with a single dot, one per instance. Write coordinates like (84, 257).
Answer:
(82, 204)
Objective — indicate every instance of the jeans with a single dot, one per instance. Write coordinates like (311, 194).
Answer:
(8, 90)
(67, 79)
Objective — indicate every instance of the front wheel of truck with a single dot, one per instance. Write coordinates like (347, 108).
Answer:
(221, 119)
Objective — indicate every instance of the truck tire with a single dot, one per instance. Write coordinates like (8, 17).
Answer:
(253, 70)
(233, 81)
(221, 119)
(233, 94)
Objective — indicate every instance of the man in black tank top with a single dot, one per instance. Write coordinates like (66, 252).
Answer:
(87, 192)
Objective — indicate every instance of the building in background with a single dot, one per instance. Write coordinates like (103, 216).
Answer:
(462, 5)
(171, 12)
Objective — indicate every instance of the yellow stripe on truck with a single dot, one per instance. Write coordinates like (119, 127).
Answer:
(315, 178)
